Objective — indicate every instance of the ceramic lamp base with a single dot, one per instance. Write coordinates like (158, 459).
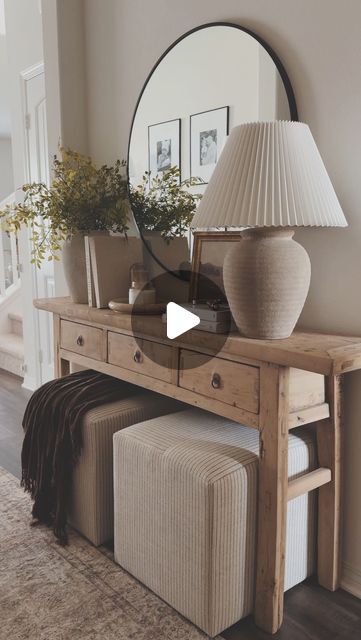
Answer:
(266, 277)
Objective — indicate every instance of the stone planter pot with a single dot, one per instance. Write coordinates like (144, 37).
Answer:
(266, 279)
(73, 256)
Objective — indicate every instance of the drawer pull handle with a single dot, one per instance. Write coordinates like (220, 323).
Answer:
(80, 341)
(137, 356)
(216, 381)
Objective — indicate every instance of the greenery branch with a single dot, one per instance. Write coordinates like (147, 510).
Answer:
(164, 203)
(82, 198)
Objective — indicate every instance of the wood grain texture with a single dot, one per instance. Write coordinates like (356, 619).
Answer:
(131, 354)
(166, 388)
(308, 415)
(238, 383)
(317, 352)
(329, 441)
(272, 497)
(307, 389)
(83, 339)
(61, 366)
(308, 482)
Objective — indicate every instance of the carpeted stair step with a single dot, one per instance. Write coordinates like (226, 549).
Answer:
(16, 323)
(12, 353)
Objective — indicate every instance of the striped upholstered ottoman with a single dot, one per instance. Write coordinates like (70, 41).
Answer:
(91, 508)
(185, 495)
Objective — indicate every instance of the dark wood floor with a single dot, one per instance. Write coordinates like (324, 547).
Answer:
(311, 613)
(13, 400)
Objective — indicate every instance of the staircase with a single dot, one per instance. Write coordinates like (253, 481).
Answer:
(11, 323)
(12, 346)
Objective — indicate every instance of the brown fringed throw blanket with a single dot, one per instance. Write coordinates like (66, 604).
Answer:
(53, 440)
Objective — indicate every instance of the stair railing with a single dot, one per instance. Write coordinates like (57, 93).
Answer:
(9, 257)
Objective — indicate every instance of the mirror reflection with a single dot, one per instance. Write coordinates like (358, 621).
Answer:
(212, 80)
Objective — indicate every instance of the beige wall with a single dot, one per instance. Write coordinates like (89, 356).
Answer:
(6, 168)
(65, 79)
(24, 49)
(319, 43)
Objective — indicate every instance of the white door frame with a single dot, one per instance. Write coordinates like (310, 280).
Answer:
(25, 76)
(34, 378)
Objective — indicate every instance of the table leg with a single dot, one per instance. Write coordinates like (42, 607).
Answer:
(61, 367)
(272, 496)
(329, 444)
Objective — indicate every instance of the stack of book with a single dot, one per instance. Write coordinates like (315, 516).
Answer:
(212, 320)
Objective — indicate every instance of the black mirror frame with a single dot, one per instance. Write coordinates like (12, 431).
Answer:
(280, 68)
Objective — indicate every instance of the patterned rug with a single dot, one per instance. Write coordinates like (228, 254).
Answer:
(48, 592)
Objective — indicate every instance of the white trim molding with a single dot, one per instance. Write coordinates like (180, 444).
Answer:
(351, 579)
(33, 71)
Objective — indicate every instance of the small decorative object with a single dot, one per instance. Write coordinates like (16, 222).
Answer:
(270, 179)
(141, 290)
(208, 133)
(212, 310)
(145, 295)
(211, 326)
(164, 146)
(209, 251)
(81, 199)
(214, 315)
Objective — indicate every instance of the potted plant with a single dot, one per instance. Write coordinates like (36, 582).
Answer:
(164, 204)
(82, 199)
(163, 207)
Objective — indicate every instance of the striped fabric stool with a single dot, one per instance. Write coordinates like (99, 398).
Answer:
(91, 508)
(185, 495)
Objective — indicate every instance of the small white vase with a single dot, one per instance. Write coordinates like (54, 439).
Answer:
(266, 277)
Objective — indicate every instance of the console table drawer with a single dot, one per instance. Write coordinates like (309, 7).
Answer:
(229, 382)
(126, 352)
(80, 338)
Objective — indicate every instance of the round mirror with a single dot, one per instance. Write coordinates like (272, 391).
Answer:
(210, 80)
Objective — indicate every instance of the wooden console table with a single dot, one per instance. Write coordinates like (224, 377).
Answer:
(272, 386)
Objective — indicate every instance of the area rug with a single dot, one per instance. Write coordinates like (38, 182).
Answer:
(49, 592)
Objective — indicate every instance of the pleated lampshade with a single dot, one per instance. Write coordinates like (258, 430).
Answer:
(270, 174)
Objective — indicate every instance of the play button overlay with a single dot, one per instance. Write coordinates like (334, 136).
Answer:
(182, 319)
(179, 320)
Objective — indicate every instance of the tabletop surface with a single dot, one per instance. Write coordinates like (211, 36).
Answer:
(319, 352)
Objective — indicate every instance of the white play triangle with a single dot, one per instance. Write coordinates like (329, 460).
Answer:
(179, 320)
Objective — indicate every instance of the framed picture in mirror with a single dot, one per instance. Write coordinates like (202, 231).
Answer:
(209, 251)
(208, 133)
(164, 146)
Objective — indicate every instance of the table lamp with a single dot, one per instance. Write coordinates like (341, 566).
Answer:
(269, 180)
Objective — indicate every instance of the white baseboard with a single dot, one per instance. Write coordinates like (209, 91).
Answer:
(351, 579)
(30, 383)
